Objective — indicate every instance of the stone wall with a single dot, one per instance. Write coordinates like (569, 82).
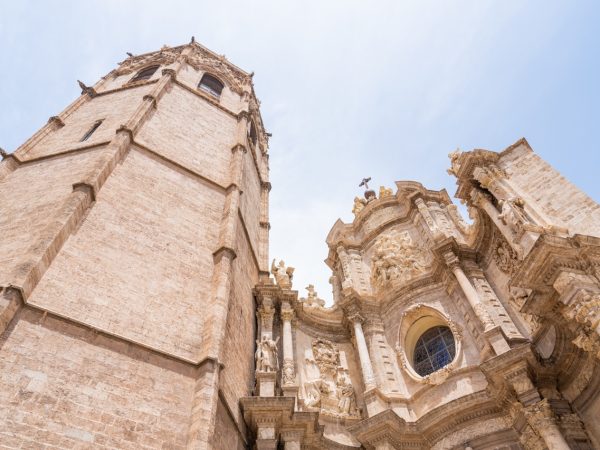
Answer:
(558, 198)
(139, 265)
(32, 197)
(69, 387)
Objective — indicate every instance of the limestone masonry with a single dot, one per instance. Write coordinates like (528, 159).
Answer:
(139, 308)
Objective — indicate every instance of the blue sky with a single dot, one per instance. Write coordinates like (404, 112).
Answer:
(348, 88)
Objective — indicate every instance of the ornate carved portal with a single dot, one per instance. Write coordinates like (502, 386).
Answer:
(331, 393)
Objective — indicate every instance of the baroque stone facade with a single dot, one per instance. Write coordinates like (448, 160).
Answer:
(453, 335)
(138, 308)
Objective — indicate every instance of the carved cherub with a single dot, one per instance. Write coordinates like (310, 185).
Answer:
(385, 192)
(283, 275)
(359, 204)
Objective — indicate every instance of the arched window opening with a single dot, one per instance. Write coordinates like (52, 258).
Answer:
(145, 74)
(252, 137)
(89, 133)
(211, 85)
(434, 350)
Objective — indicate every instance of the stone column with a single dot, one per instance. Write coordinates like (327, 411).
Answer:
(542, 420)
(288, 374)
(363, 352)
(469, 291)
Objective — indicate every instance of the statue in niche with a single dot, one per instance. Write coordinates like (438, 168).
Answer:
(266, 355)
(283, 275)
(312, 300)
(359, 204)
(395, 257)
(332, 393)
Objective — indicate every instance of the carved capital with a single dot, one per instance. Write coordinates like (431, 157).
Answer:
(287, 314)
(169, 72)
(540, 415)
(355, 317)
(451, 260)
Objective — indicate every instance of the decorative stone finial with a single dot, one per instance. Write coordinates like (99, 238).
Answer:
(312, 299)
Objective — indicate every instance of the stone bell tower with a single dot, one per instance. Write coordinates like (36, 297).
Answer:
(134, 226)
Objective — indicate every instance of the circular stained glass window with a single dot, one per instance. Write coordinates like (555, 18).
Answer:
(434, 350)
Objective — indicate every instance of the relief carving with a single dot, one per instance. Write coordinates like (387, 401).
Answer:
(586, 311)
(287, 373)
(395, 257)
(505, 257)
(331, 393)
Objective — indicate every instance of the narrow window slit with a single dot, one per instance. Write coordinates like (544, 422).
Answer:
(87, 135)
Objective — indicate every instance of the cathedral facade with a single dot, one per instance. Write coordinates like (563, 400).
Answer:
(139, 307)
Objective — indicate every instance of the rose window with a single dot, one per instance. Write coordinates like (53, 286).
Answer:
(434, 350)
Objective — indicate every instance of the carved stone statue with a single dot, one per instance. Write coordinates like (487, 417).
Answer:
(359, 204)
(346, 399)
(385, 192)
(266, 355)
(454, 166)
(283, 275)
(395, 257)
(512, 214)
(312, 300)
